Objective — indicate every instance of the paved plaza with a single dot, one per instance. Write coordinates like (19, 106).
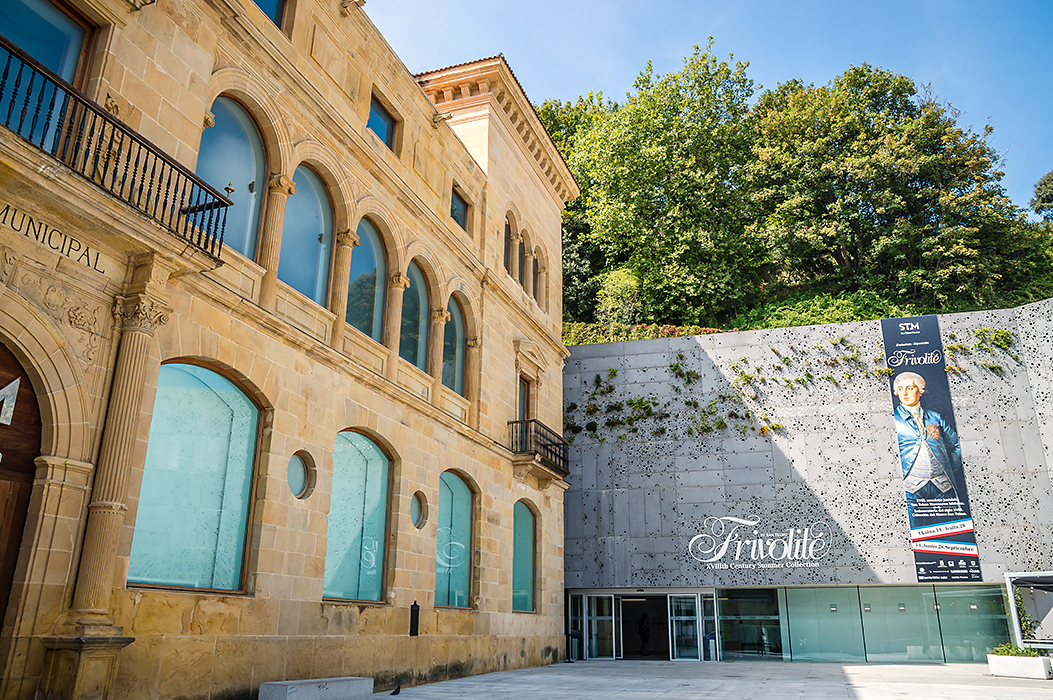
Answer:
(628, 680)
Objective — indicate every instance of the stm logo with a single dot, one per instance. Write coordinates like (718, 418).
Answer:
(909, 327)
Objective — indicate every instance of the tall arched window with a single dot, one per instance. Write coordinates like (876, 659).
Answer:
(453, 553)
(453, 349)
(508, 246)
(307, 237)
(522, 558)
(232, 152)
(193, 510)
(521, 273)
(535, 274)
(354, 557)
(365, 294)
(413, 342)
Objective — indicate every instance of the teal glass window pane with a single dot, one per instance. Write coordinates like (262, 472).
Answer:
(453, 349)
(194, 499)
(44, 32)
(522, 558)
(296, 475)
(381, 123)
(824, 624)
(459, 210)
(508, 246)
(535, 277)
(413, 342)
(307, 237)
(900, 623)
(365, 293)
(275, 9)
(750, 625)
(354, 558)
(232, 152)
(973, 620)
(453, 573)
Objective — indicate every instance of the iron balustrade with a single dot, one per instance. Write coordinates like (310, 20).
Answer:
(51, 114)
(534, 437)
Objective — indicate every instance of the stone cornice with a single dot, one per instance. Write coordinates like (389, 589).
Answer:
(467, 85)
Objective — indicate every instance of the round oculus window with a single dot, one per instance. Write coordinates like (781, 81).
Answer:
(297, 476)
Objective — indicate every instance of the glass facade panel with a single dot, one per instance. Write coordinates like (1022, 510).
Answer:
(307, 237)
(749, 623)
(194, 499)
(683, 627)
(413, 343)
(522, 558)
(576, 627)
(709, 628)
(459, 210)
(900, 623)
(453, 349)
(381, 123)
(232, 152)
(365, 293)
(824, 624)
(453, 573)
(973, 620)
(354, 558)
(600, 627)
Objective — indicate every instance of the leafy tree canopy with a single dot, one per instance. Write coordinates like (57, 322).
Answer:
(1042, 202)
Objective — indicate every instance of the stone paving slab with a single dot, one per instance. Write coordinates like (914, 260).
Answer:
(756, 680)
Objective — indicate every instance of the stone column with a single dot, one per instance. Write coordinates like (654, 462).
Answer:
(528, 273)
(472, 367)
(513, 255)
(345, 244)
(542, 283)
(137, 315)
(393, 322)
(279, 189)
(436, 337)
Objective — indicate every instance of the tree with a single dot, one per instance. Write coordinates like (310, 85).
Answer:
(583, 261)
(663, 176)
(867, 184)
(1042, 202)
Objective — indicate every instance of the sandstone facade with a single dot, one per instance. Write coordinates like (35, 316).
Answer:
(91, 331)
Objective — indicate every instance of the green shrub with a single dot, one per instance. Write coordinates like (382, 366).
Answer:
(1010, 649)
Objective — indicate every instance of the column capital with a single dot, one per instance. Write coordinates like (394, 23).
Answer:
(400, 280)
(347, 239)
(440, 315)
(282, 184)
(472, 342)
(516, 237)
(528, 254)
(140, 312)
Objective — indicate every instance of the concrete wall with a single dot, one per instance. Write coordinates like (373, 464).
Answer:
(639, 493)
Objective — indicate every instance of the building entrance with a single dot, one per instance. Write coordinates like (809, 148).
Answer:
(19, 446)
(677, 627)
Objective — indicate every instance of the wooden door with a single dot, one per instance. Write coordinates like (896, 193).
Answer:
(19, 446)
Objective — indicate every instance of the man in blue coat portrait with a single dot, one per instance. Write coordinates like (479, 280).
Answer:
(929, 450)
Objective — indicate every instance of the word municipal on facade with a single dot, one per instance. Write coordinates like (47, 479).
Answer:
(44, 234)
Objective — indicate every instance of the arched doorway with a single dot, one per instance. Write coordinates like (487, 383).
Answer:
(19, 446)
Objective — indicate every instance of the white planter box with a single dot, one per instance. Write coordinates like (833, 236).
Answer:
(1019, 666)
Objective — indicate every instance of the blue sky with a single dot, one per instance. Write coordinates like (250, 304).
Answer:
(992, 60)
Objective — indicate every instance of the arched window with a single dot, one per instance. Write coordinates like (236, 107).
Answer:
(522, 558)
(307, 237)
(453, 349)
(354, 557)
(413, 343)
(232, 152)
(365, 295)
(453, 553)
(536, 276)
(508, 246)
(193, 511)
(521, 247)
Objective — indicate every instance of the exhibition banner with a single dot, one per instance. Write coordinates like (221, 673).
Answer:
(930, 454)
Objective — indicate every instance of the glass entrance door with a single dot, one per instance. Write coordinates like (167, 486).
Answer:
(684, 628)
(600, 627)
(709, 627)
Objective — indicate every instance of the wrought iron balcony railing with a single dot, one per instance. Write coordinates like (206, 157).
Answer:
(49, 113)
(534, 437)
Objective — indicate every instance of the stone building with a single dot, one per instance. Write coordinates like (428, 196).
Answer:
(756, 495)
(279, 340)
